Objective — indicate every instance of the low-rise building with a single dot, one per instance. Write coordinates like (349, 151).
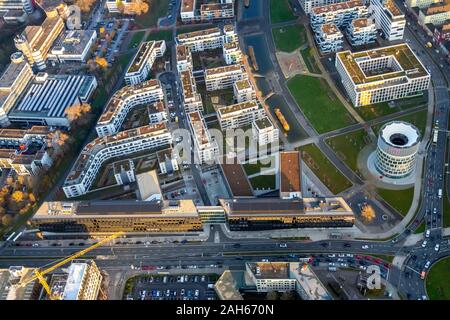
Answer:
(142, 62)
(83, 281)
(243, 91)
(202, 40)
(361, 32)
(73, 45)
(329, 38)
(157, 112)
(124, 100)
(290, 175)
(239, 115)
(125, 143)
(205, 148)
(224, 77)
(388, 18)
(264, 132)
(149, 188)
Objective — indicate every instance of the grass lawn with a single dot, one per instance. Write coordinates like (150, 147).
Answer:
(348, 146)
(398, 199)
(280, 11)
(374, 111)
(289, 38)
(157, 9)
(419, 119)
(136, 39)
(263, 182)
(160, 35)
(438, 284)
(252, 168)
(320, 105)
(310, 61)
(420, 229)
(324, 169)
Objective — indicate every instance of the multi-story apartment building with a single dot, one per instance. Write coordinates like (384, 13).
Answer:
(202, 40)
(47, 98)
(232, 53)
(239, 115)
(381, 74)
(308, 5)
(329, 38)
(436, 14)
(243, 91)
(112, 216)
(91, 158)
(83, 282)
(73, 45)
(167, 161)
(421, 3)
(188, 11)
(142, 62)
(123, 101)
(290, 175)
(124, 171)
(205, 148)
(217, 11)
(388, 18)
(13, 81)
(156, 112)
(192, 101)
(264, 132)
(35, 41)
(442, 33)
(361, 32)
(22, 5)
(184, 58)
(224, 77)
(341, 14)
(229, 32)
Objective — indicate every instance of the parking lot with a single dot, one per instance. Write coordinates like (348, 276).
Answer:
(171, 287)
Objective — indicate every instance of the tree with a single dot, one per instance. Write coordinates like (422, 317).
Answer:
(18, 196)
(7, 220)
(101, 62)
(31, 197)
(136, 7)
(85, 5)
(58, 140)
(77, 111)
(272, 295)
(368, 213)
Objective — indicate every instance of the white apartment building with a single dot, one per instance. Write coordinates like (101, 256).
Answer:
(420, 3)
(243, 91)
(308, 5)
(388, 18)
(13, 82)
(123, 144)
(35, 41)
(156, 112)
(232, 53)
(124, 172)
(382, 74)
(224, 77)
(142, 62)
(192, 101)
(239, 115)
(329, 38)
(73, 45)
(25, 5)
(205, 148)
(184, 58)
(123, 101)
(341, 14)
(264, 132)
(436, 13)
(167, 161)
(229, 32)
(187, 11)
(217, 11)
(361, 32)
(202, 40)
(83, 282)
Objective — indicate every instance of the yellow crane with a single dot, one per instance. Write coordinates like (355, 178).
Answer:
(39, 274)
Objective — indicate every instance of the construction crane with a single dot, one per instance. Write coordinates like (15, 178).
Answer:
(39, 274)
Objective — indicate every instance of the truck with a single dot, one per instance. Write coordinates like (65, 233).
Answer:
(435, 136)
(440, 193)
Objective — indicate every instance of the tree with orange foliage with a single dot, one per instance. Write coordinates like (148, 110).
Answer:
(137, 7)
(77, 111)
(368, 213)
(59, 141)
(85, 5)
(101, 62)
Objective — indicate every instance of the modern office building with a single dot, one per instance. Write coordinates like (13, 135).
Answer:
(202, 40)
(436, 13)
(125, 143)
(290, 175)
(167, 161)
(243, 91)
(361, 32)
(93, 217)
(264, 132)
(73, 45)
(235, 178)
(381, 74)
(329, 38)
(192, 101)
(388, 18)
(224, 77)
(142, 62)
(83, 281)
(341, 14)
(47, 98)
(184, 58)
(239, 115)
(13, 82)
(308, 5)
(35, 41)
(232, 54)
(269, 214)
(205, 148)
(123, 101)
(398, 144)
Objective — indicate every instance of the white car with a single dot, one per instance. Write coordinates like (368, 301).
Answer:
(427, 234)
(436, 247)
(427, 265)
(365, 247)
(424, 244)
(331, 255)
(283, 245)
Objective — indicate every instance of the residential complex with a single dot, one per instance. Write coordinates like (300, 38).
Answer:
(205, 148)
(83, 281)
(388, 18)
(243, 91)
(125, 143)
(329, 38)
(239, 115)
(308, 5)
(232, 53)
(200, 11)
(167, 161)
(73, 45)
(264, 132)
(142, 62)
(341, 14)
(436, 13)
(123, 101)
(192, 101)
(201, 40)
(361, 32)
(224, 77)
(381, 74)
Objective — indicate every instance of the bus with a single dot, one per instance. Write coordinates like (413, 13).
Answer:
(435, 136)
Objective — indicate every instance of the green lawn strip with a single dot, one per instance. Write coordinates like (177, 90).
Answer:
(157, 9)
(320, 105)
(419, 119)
(166, 35)
(400, 200)
(263, 182)
(437, 282)
(347, 146)
(310, 61)
(381, 109)
(330, 176)
(420, 229)
(289, 38)
(136, 39)
(280, 11)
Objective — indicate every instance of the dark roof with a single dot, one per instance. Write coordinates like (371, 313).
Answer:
(263, 206)
(236, 178)
(118, 207)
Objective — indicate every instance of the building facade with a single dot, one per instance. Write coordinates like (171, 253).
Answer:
(239, 115)
(341, 14)
(205, 148)
(264, 132)
(361, 32)
(329, 38)
(388, 18)
(73, 45)
(224, 77)
(201, 40)
(83, 282)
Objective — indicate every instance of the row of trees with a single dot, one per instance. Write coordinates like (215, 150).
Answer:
(136, 7)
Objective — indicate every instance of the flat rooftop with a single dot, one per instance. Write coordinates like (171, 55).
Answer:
(290, 171)
(236, 178)
(198, 34)
(145, 51)
(269, 270)
(187, 5)
(310, 283)
(75, 280)
(223, 70)
(246, 105)
(243, 84)
(10, 75)
(334, 7)
(263, 123)
(72, 41)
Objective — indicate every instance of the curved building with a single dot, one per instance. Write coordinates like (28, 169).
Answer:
(398, 144)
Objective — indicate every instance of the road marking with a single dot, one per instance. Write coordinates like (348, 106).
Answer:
(413, 270)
